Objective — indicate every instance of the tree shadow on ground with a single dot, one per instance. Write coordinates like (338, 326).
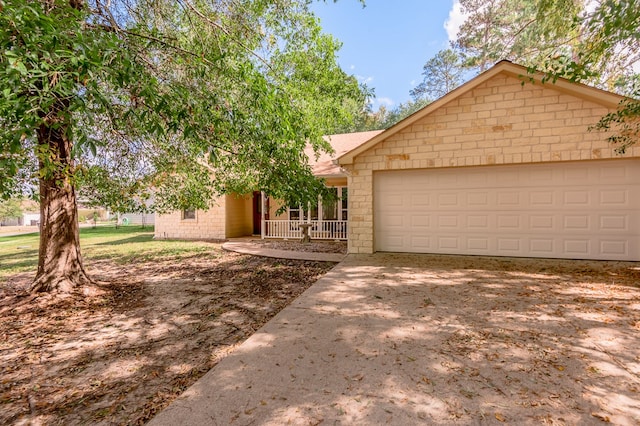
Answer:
(409, 339)
(119, 357)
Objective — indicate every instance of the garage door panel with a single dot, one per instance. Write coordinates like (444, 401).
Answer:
(613, 223)
(614, 198)
(478, 222)
(585, 210)
(478, 245)
(610, 174)
(614, 247)
(577, 222)
(419, 200)
(478, 199)
(542, 223)
(450, 242)
(542, 247)
(542, 198)
(420, 243)
(577, 247)
(577, 198)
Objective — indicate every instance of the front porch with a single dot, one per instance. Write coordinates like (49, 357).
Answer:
(328, 221)
(319, 230)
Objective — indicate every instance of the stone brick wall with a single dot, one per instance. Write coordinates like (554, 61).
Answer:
(500, 121)
(238, 216)
(209, 224)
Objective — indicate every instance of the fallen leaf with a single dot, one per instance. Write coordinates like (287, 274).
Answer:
(500, 417)
(602, 417)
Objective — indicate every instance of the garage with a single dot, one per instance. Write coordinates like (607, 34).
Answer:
(573, 210)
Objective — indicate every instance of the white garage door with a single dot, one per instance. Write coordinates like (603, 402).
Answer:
(581, 210)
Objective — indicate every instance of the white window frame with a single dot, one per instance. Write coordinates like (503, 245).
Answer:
(305, 214)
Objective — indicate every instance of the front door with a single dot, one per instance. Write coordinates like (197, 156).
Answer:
(257, 212)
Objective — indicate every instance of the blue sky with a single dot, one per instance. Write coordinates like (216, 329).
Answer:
(386, 43)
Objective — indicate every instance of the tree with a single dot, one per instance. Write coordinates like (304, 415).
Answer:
(490, 30)
(596, 43)
(601, 47)
(10, 209)
(442, 73)
(191, 98)
(607, 52)
(403, 111)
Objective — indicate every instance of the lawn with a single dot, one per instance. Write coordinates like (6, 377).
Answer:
(123, 245)
(166, 313)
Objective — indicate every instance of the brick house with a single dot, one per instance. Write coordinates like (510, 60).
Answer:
(500, 166)
(238, 215)
(503, 165)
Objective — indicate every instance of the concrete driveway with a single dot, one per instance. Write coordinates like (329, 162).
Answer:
(415, 339)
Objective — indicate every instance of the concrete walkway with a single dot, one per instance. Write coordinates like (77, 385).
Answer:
(247, 247)
(418, 339)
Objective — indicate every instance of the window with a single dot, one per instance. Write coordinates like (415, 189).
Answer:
(188, 214)
(295, 213)
(330, 208)
(336, 209)
(344, 204)
(313, 212)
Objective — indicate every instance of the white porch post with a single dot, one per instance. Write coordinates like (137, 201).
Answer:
(263, 223)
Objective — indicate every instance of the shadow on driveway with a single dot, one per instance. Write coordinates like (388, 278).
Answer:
(414, 339)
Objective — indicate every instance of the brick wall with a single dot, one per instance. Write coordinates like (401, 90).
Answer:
(209, 224)
(238, 215)
(500, 121)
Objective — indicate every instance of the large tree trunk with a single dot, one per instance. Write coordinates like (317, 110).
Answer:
(60, 266)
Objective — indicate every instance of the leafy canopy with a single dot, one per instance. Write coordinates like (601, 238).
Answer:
(10, 209)
(192, 98)
(597, 43)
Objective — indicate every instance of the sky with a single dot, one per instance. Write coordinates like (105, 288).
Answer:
(386, 43)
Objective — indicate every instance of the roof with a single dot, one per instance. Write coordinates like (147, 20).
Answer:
(324, 165)
(601, 97)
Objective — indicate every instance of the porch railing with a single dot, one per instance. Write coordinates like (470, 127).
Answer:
(321, 230)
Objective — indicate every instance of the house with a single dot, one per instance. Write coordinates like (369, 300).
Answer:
(504, 165)
(237, 215)
(500, 166)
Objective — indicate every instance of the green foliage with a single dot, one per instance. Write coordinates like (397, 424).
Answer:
(191, 99)
(607, 53)
(10, 209)
(400, 112)
(596, 43)
(442, 73)
(494, 30)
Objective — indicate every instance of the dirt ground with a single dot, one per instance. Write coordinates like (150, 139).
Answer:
(440, 340)
(470, 340)
(120, 357)
(339, 247)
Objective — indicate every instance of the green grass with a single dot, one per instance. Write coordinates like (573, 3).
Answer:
(123, 245)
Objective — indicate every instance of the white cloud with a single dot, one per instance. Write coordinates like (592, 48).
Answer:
(384, 101)
(352, 67)
(455, 20)
(365, 80)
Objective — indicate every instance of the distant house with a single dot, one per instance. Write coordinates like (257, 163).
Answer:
(31, 219)
(30, 215)
(138, 218)
(500, 166)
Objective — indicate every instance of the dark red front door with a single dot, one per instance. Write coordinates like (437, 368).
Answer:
(257, 212)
